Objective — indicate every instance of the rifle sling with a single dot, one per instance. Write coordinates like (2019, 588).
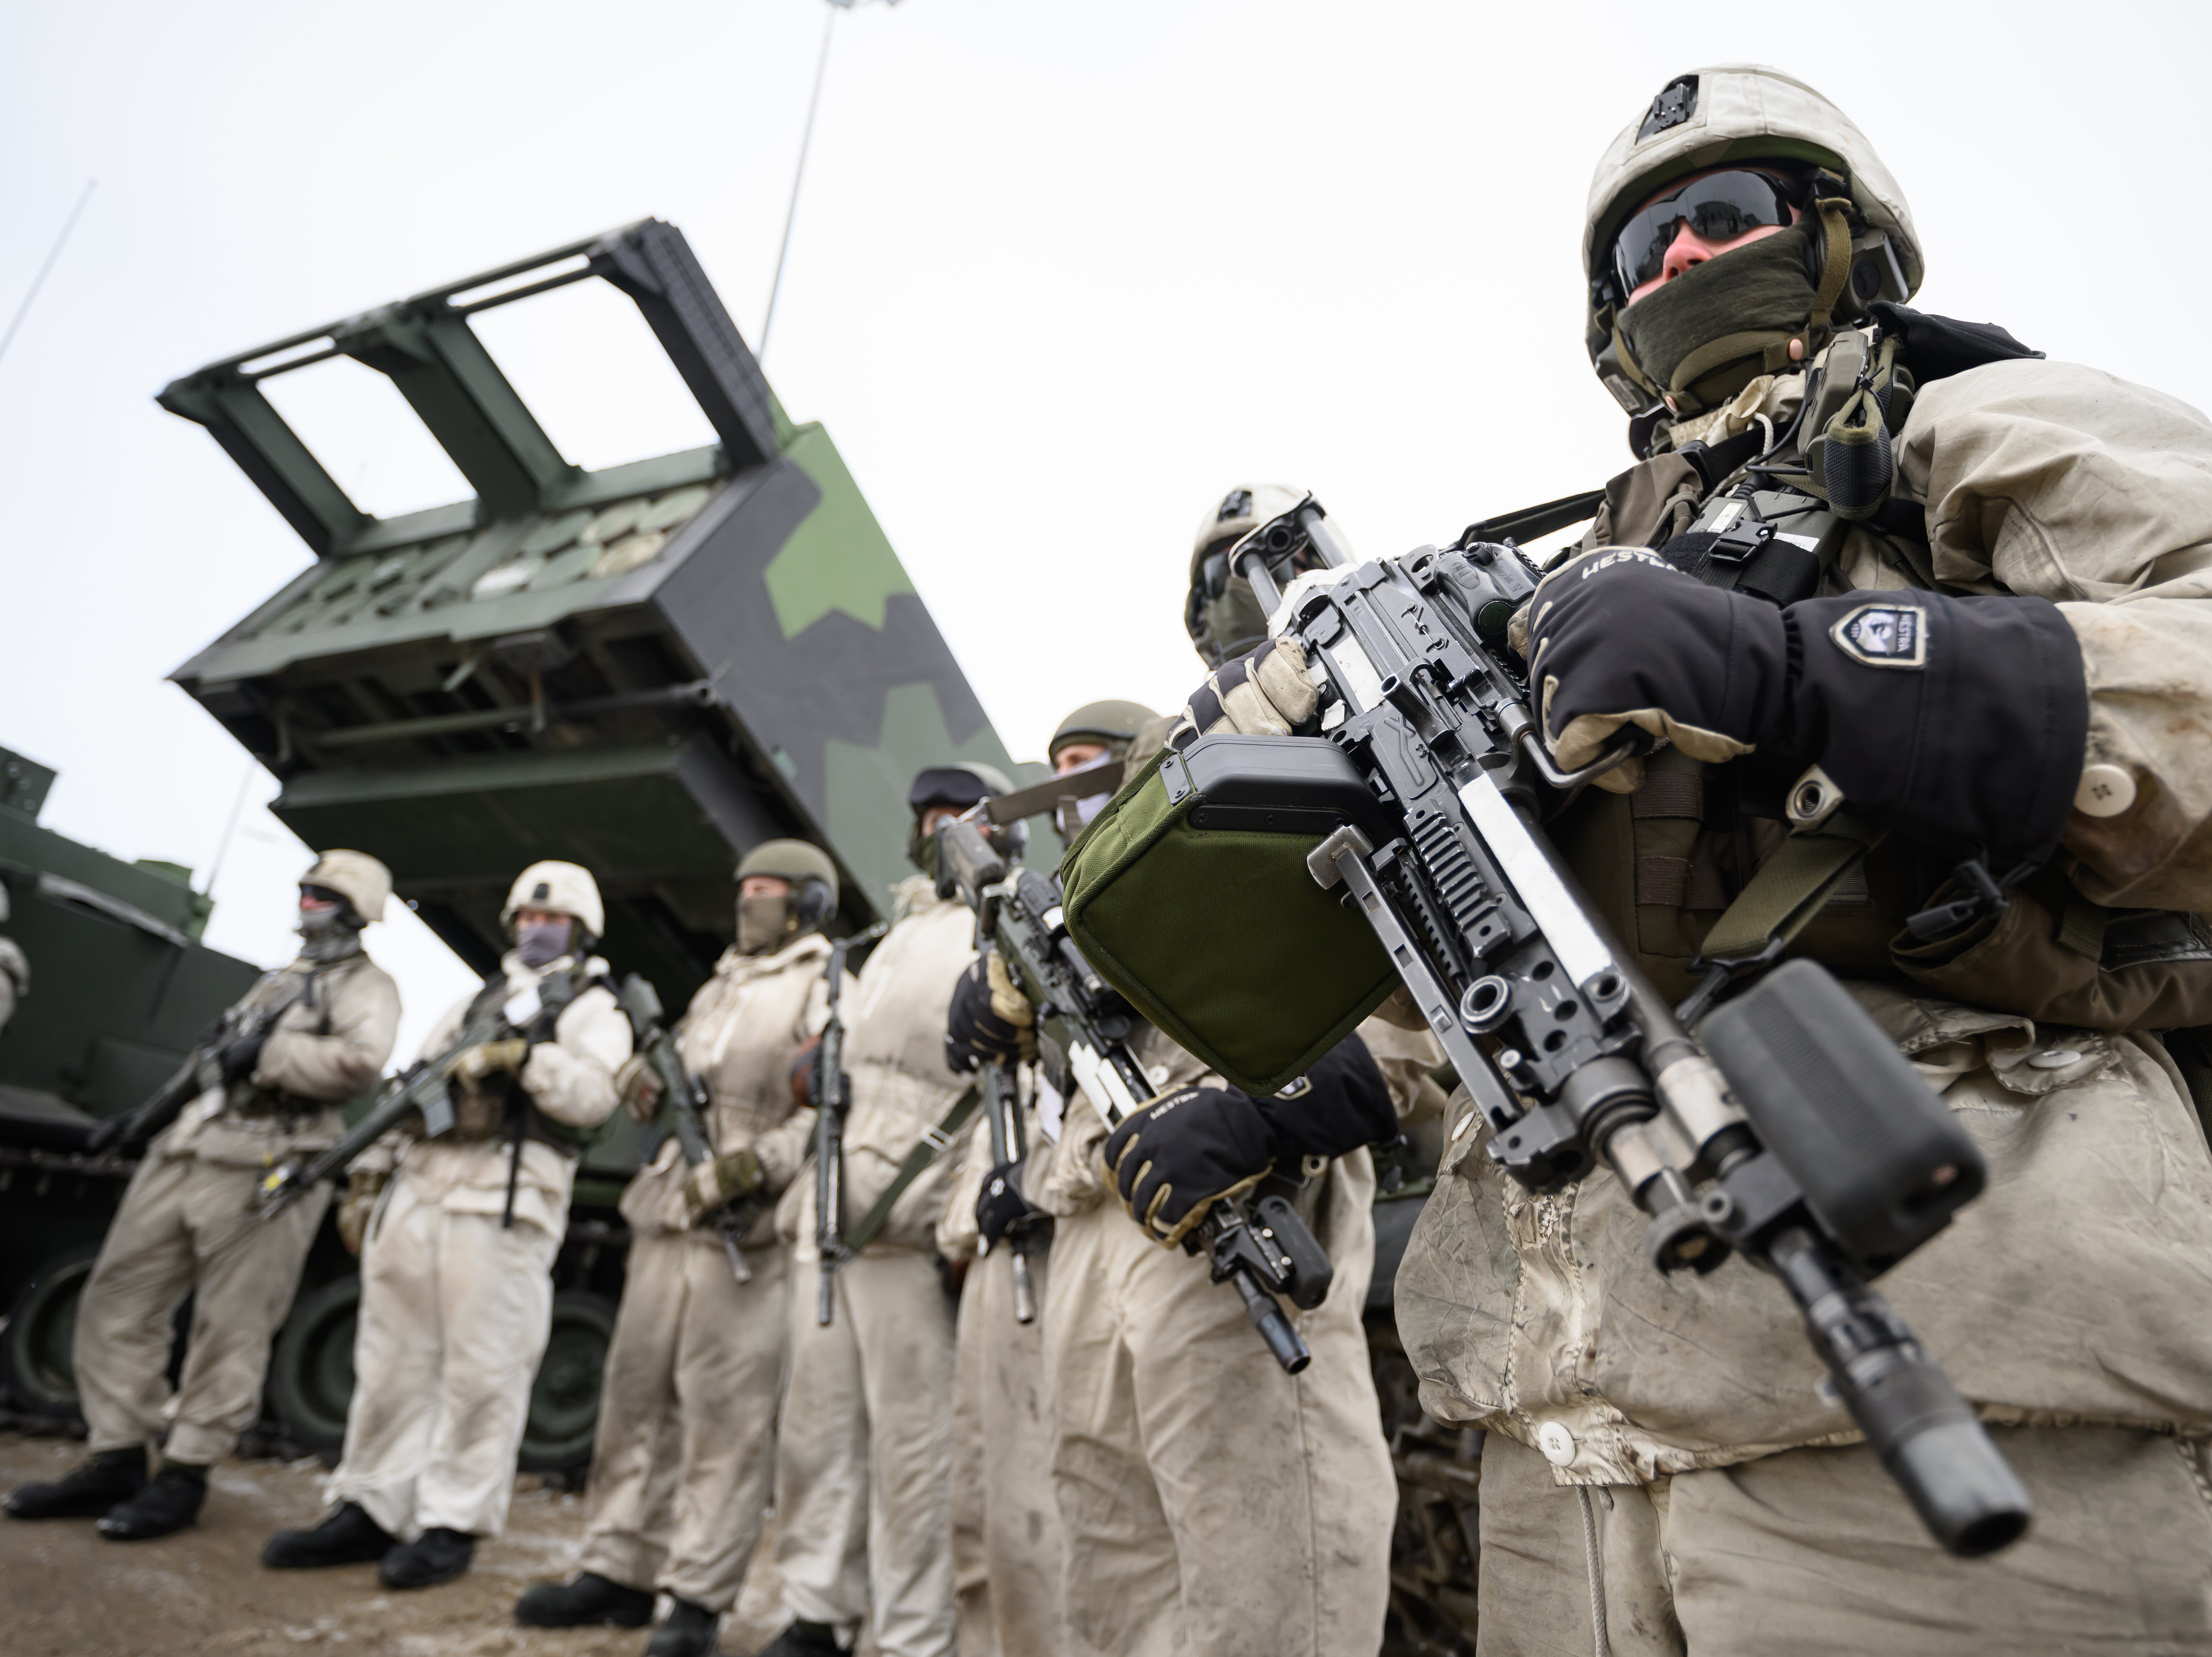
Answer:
(916, 1164)
(1789, 889)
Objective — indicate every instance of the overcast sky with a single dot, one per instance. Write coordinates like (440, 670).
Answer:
(1061, 275)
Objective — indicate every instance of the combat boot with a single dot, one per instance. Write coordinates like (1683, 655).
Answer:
(84, 1492)
(347, 1537)
(804, 1640)
(590, 1600)
(688, 1632)
(439, 1555)
(169, 1503)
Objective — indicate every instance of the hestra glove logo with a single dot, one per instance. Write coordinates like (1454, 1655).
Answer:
(1883, 636)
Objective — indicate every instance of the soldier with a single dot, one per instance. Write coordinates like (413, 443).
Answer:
(2003, 660)
(457, 1287)
(686, 1416)
(1210, 1502)
(1007, 1542)
(864, 1444)
(303, 1042)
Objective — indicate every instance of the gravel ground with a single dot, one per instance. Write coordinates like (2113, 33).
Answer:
(66, 1592)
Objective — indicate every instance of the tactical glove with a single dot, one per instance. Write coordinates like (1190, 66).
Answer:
(805, 1074)
(1268, 693)
(990, 1022)
(1000, 1206)
(720, 1180)
(240, 1057)
(363, 1186)
(1961, 722)
(487, 1059)
(1174, 1160)
(638, 1089)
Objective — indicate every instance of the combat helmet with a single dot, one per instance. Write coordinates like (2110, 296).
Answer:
(1220, 614)
(960, 784)
(357, 878)
(812, 899)
(566, 888)
(1854, 242)
(1118, 726)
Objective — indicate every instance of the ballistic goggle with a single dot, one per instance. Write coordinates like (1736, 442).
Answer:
(1720, 206)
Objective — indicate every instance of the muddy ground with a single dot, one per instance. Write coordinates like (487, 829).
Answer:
(66, 1592)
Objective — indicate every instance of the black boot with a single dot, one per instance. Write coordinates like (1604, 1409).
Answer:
(83, 1492)
(802, 1640)
(348, 1536)
(688, 1632)
(437, 1556)
(591, 1599)
(169, 1503)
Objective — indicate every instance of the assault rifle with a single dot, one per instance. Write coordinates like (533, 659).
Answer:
(1811, 1147)
(687, 1106)
(1083, 1027)
(201, 1070)
(423, 1086)
(832, 1098)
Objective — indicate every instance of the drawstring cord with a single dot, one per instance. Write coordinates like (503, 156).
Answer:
(1600, 1643)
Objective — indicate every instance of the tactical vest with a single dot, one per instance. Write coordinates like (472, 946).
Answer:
(1664, 864)
(493, 1107)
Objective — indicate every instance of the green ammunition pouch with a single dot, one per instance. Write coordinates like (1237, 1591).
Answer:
(1190, 895)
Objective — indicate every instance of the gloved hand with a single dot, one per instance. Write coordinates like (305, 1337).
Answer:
(1955, 720)
(363, 1186)
(638, 1089)
(990, 1022)
(240, 1057)
(488, 1059)
(1264, 693)
(721, 1179)
(1175, 1159)
(1000, 1205)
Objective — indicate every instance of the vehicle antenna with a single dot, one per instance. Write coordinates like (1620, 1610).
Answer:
(69, 224)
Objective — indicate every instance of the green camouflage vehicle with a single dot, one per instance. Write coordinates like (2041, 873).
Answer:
(647, 669)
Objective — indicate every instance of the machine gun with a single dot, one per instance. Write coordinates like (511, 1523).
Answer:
(422, 1086)
(687, 1107)
(1810, 1147)
(832, 1098)
(1083, 1029)
(199, 1071)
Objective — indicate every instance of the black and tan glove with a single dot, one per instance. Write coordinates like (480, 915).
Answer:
(1956, 720)
(358, 1205)
(989, 1021)
(242, 1056)
(1000, 1207)
(721, 1179)
(488, 1059)
(1268, 693)
(1174, 1160)
(639, 1090)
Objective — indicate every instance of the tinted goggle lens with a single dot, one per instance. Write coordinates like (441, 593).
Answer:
(1719, 207)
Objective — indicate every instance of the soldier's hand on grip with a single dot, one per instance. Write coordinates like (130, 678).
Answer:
(487, 1059)
(1000, 1205)
(240, 1057)
(638, 1089)
(363, 1186)
(1185, 1151)
(989, 1021)
(721, 1179)
(1265, 693)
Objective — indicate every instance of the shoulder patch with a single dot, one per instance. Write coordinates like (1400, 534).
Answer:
(1883, 636)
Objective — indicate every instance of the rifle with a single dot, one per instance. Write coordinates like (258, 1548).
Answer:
(687, 1106)
(196, 1074)
(1822, 1158)
(1083, 1027)
(832, 1098)
(423, 1087)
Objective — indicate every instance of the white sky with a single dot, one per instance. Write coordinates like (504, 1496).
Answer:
(1063, 273)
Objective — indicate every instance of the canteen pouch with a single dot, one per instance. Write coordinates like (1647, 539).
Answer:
(1190, 896)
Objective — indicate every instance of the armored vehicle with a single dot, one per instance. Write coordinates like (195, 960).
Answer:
(120, 989)
(647, 669)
